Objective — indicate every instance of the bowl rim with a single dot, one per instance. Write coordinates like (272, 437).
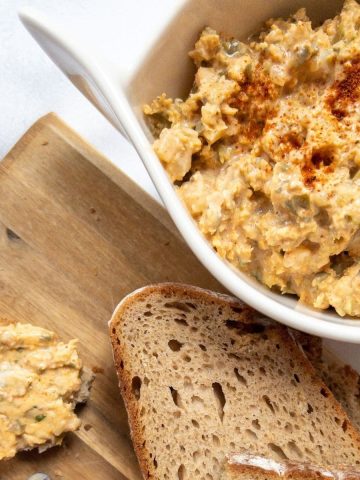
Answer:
(300, 318)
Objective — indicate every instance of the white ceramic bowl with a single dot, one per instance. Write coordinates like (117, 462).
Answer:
(123, 79)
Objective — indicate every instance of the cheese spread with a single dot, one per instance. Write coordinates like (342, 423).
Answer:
(39, 378)
(265, 154)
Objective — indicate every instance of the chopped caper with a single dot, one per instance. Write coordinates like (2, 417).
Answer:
(301, 201)
(303, 54)
(340, 32)
(231, 47)
(298, 202)
(321, 276)
(40, 418)
(248, 71)
(45, 338)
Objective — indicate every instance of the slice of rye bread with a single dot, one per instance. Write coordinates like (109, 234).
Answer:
(311, 345)
(203, 375)
(252, 467)
(343, 380)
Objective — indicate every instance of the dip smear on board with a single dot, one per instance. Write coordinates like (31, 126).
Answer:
(41, 380)
(265, 154)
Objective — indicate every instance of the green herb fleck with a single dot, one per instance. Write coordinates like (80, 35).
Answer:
(232, 47)
(39, 418)
(45, 338)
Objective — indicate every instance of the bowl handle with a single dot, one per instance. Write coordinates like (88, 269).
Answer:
(73, 60)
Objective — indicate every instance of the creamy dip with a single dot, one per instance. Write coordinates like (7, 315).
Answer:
(265, 154)
(39, 378)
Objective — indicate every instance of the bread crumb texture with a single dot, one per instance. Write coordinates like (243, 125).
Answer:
(203, 376)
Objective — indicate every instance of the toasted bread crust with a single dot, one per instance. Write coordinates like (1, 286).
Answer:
(169, 290)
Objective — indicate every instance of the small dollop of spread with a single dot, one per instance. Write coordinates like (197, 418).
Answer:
(39, 380)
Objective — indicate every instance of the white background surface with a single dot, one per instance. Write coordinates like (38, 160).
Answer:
(31, 85)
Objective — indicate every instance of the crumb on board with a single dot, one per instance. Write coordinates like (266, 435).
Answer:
(97, 370)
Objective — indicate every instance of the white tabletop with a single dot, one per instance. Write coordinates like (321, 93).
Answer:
(31, 85)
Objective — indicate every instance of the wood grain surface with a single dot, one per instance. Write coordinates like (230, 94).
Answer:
(76, 235)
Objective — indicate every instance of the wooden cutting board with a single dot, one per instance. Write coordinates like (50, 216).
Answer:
(76, 235)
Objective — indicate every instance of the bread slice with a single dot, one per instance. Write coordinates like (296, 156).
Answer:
(203, 375)
(251, 467)
(342, 380)
(311, 345)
